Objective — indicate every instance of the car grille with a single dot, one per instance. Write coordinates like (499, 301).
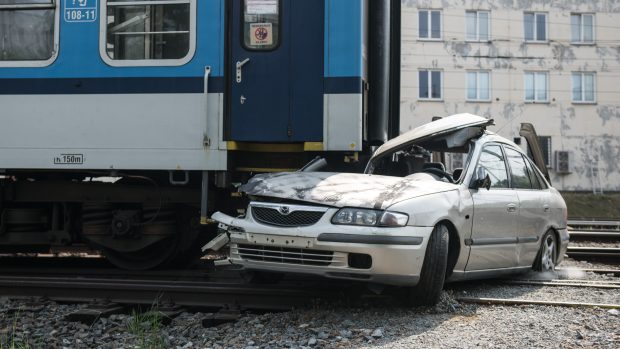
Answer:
(285, 255)
(272, 216)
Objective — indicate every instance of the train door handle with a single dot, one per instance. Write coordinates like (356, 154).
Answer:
(511, 208)
(240, 65)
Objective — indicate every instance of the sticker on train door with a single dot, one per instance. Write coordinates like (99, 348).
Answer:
(262, 7)
(261, 34)
(80, 10)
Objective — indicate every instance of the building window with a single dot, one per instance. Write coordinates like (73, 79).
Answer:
(582, 27)
(583, 87)
(545, 147)
(28, 33)
(430, 84)
(156, 32)
(536, 86)
(429, 23)
(478, 86)
(535, 26)
(478, 25)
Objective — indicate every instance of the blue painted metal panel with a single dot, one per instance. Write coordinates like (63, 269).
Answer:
(280, 97)
(307, 80)
(79, 51)
(343, 38)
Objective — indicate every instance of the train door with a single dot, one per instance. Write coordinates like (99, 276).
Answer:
(276, 71)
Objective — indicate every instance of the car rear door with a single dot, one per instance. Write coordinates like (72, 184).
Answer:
(493, 240)
(533, 205)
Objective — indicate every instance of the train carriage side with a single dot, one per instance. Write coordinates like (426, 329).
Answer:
(123, 123)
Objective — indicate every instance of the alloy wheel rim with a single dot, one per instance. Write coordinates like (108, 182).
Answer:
(548, 253)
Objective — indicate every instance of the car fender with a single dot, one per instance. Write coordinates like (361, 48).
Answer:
(455, 207)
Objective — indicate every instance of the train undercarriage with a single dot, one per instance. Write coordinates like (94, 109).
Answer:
(137, 221)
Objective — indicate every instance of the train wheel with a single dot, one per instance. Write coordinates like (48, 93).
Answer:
(151, 257)
(143, 239)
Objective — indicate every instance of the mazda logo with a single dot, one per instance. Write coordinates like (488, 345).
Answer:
(284, 210)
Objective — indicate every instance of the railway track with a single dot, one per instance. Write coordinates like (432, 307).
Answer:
(601, 234)
(567, 283)
(594, 229)
(594, 252)
(195, 294)
(516, 302)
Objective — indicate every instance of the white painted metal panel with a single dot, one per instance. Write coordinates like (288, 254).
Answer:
(137, 131)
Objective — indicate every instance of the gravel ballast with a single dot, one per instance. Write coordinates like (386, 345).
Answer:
(373, 322)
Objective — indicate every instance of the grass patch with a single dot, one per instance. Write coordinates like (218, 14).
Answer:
(11, 339)
(147, 327)
(587, 205)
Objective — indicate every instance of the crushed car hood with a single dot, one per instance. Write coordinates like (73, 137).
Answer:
(442, 126)
(343, 189)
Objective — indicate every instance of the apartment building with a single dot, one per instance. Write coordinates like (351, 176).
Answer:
(555, 64)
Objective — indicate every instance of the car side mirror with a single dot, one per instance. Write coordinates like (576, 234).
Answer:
(484, 182)
(482, 179)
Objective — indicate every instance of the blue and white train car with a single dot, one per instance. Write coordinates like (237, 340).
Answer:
(176, 99)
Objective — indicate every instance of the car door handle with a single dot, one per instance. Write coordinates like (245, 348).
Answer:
(511, 208)
(546, 208)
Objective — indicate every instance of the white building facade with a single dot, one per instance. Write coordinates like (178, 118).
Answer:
(555, 64)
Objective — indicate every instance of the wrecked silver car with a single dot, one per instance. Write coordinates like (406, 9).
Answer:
(448, 200)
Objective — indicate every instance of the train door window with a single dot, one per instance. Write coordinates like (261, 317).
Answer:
(28, 32)
(261, 24)
(148, 32)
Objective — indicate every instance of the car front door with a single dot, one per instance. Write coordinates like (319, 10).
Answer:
(533, 206)
(493, 240)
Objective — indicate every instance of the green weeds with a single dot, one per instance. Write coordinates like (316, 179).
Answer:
(146, 327)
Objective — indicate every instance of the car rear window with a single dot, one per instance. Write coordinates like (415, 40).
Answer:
(519, 175)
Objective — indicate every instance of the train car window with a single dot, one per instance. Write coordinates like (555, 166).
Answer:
(28, 32)
(261, 24)
(149, 32)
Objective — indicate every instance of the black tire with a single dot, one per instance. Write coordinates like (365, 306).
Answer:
(433, 274)
(547, 256)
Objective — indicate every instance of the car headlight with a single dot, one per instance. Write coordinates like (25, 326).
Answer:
(367, 217)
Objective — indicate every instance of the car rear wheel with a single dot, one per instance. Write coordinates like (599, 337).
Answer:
(433, 273)
(547, 255)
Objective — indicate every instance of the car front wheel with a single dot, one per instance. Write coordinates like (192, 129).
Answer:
(433, 273)
(547, 255)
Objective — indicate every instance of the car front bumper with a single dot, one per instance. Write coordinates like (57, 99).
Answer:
(326, 249)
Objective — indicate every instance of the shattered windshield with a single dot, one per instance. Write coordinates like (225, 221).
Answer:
(446, 164)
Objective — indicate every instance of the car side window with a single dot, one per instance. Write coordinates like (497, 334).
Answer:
(530, 171)
(492, 162)
(518, 171)
(534, 173)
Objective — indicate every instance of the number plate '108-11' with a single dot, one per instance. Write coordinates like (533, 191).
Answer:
(69, 159)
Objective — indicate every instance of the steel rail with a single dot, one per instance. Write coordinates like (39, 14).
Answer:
(593, 222)
(183, 293)
(593, 252)
(562, 283)
(615, 272)
(502, 301)
(595, 233)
